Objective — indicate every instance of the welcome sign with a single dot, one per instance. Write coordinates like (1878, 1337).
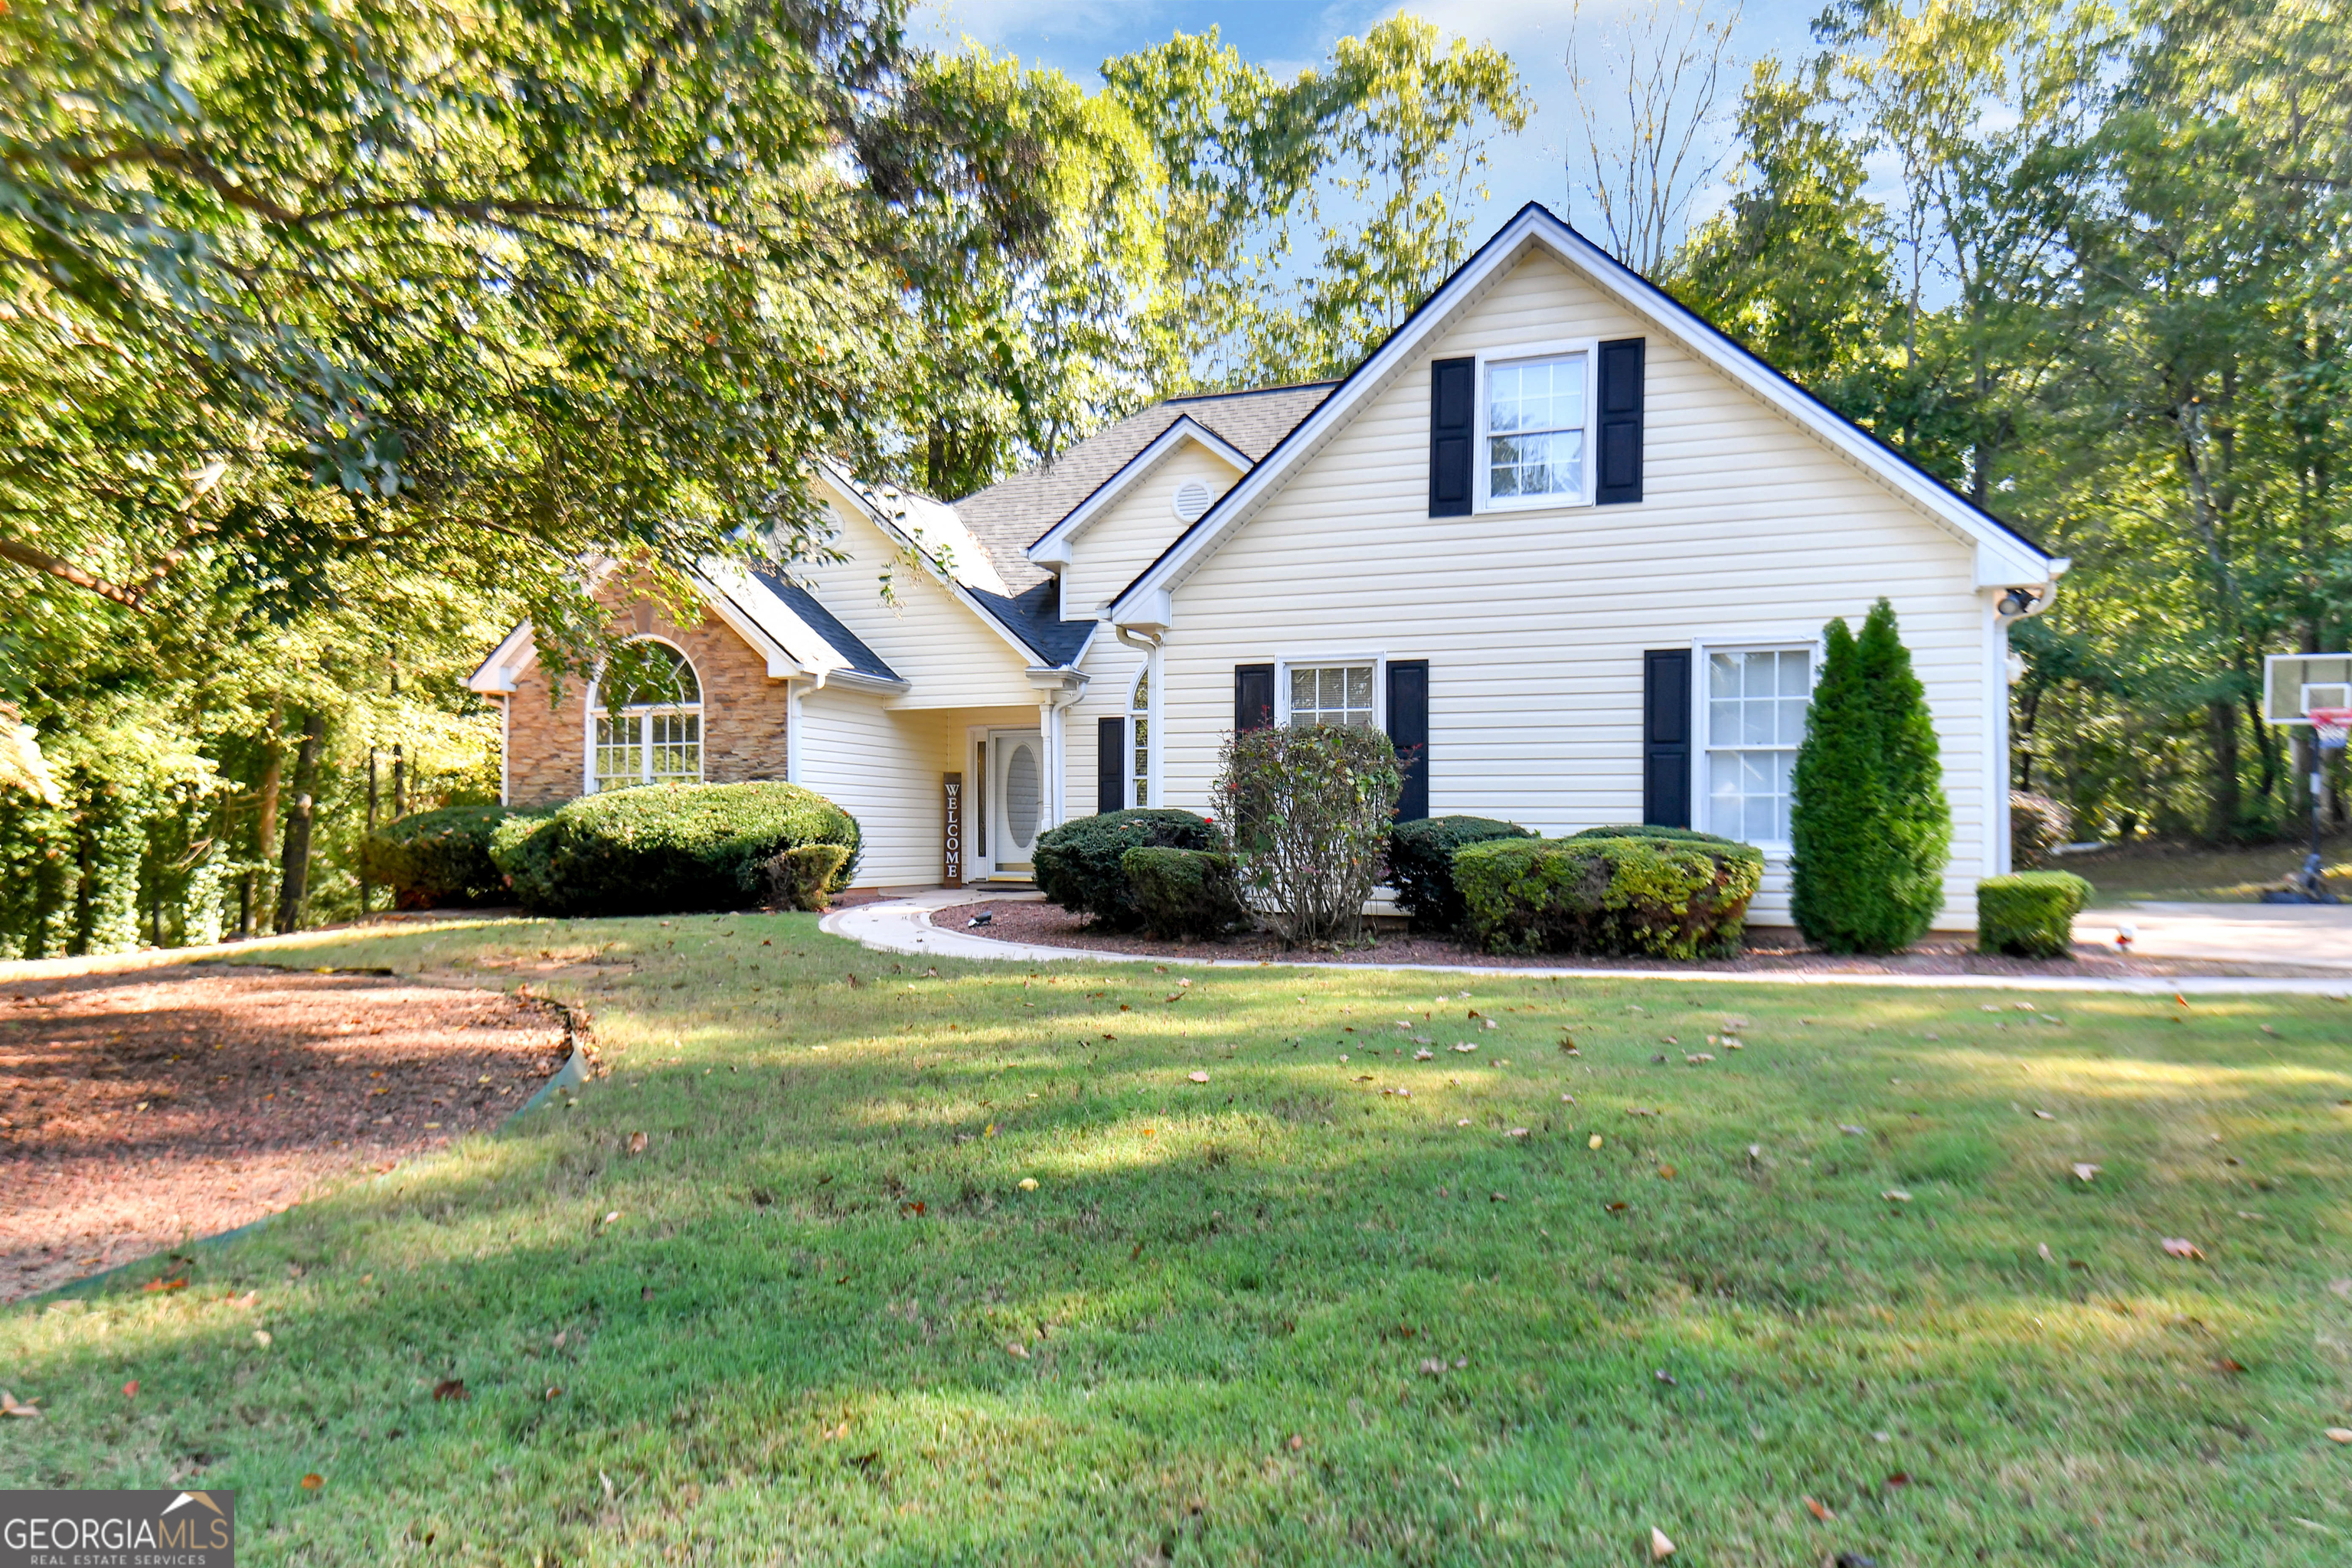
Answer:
(118, 1530)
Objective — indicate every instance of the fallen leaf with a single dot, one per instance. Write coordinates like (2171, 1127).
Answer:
(2180, 1247)
(1666, 1172)
(246, 1299)
(313, 1481)
(2339, 1434)
(1297, 1443)
(1014, 1347)
(179, 1284)
(1198, 1077)
(2047, 1256)
(1895, 1195)
(2043, 1116)
(1434, 1367)
(261, 1338)
(612, 1217)
(130, 1389)
(1519, 1131)
(451, 1388)
(1899, 1478)
(1851, 1131)
(1593, 1141)
(555, 1394)
(1819, 1510)
(1660, 1547)
(636, 1143)
(10, 1406)
(1617, 1207)
(1663, 1375)
(1028, 1183)
(2230, 1365)
(2085, 1172)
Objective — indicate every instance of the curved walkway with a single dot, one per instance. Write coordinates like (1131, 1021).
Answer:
(904, 925)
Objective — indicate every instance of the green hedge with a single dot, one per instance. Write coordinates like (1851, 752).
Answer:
(667, 847)
(1643, 830)
(1186, 893)
(1078, 864)
(803, 877)
(1420, 864)
(438, 858)
(2030, 914)
(1651, 897)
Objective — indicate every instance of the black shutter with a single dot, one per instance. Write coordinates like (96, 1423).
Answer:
(1665, 738)
(1253, 696)
(1621, 423)
(1110, 764)
(1453, 409)
(1409, 730)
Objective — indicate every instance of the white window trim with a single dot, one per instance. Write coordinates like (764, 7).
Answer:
(1283, 667)
(1701, 648)
(1149, 670)
(594, 709)
(1481, 470)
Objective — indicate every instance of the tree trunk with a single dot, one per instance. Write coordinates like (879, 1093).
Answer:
(2223, 802)
(295, 887)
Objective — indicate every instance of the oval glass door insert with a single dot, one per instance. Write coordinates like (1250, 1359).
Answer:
(1023, 798)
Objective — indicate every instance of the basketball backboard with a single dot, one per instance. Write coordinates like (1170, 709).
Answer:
(2296, 683)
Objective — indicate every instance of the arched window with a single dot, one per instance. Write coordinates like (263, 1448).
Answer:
(1138, 761)
(646, 716)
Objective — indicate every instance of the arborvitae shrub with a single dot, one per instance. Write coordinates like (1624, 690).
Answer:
(1871, 830)
(1079, 864)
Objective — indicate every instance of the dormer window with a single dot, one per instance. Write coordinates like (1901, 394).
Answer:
(1191, 499)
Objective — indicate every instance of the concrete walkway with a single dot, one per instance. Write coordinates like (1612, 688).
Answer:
(2309, 936)
(904, 925)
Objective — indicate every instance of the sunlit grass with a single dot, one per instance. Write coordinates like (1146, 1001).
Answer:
(819, 1318)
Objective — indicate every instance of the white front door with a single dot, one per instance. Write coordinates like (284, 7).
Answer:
(1016, 798)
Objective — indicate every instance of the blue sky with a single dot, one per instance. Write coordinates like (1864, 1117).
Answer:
(1076, 35)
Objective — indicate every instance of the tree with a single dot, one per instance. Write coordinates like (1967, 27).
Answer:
(1670, 67)
(1306, 220)
(1870, 828)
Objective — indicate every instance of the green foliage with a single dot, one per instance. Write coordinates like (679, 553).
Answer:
(1186, 893)
(1654, 897)
(803, 877)
(667, 847)
(1644, 830)
(2037, 827)
(436, 858)
(1079, 864)
(1871, 830)
(1420, 864)
(1372, 162)
(1310, 808)
(2029, 914)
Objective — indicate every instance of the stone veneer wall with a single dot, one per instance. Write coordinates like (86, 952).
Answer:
(742, 714)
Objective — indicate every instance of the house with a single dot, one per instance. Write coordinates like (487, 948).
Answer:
(1566, 543)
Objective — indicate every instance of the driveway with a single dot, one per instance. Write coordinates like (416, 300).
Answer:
(2315, 936)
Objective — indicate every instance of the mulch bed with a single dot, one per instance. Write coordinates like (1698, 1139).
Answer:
(142, 1107)
(1050, 925)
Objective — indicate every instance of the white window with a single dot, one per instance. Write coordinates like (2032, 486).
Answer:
(1536, 414)
(645, 720)
(1755, 700)
(1331, 694)
(1138, 743)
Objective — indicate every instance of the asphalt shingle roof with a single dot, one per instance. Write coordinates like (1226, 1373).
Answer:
(821, 621)
(1009, 515)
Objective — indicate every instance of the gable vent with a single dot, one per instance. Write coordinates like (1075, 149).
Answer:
(1193, 498)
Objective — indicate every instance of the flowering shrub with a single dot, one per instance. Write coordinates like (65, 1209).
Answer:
(1310, 810)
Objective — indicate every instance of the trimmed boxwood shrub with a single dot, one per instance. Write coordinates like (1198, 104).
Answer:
(667, 847)
(1650, 897)
(2030, 914)
(439, 859)
(1078, 864)
(1643, 830)
(1420, 864)
(1185, 893)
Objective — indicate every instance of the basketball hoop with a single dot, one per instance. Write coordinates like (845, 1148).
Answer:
(2329, 726)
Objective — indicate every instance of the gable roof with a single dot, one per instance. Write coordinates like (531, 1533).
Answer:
(2011, 557)
(1053, 546)
(843, 642)
(1010, 514)
(1029, 620)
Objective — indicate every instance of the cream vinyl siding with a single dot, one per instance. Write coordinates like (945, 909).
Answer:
(885, 766)
(1130, 533)
(1535, 621)
(950, 655)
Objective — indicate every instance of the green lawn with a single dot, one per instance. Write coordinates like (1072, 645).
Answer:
(819, 1319)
